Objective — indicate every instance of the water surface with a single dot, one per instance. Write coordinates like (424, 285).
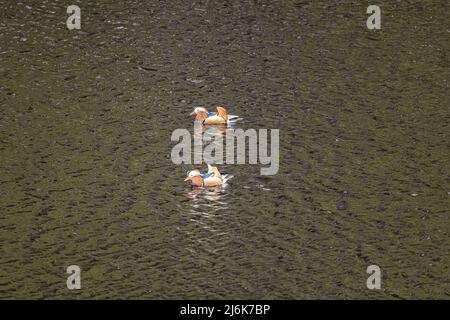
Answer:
(86, 176)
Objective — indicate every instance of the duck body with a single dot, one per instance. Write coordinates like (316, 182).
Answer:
(213, 118)
(212, 178)
(204, 180)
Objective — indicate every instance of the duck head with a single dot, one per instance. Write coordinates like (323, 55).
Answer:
(200, 113)
(195, 172)
(195, 180)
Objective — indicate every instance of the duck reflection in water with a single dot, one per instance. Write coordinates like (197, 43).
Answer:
(207, 227)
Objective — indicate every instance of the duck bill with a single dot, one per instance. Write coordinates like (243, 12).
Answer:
(187, 179)
(193, 113)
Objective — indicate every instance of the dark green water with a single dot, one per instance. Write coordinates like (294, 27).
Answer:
(86, 176)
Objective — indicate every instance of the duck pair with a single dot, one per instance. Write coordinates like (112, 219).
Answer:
(220, 117)
(211, 178)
